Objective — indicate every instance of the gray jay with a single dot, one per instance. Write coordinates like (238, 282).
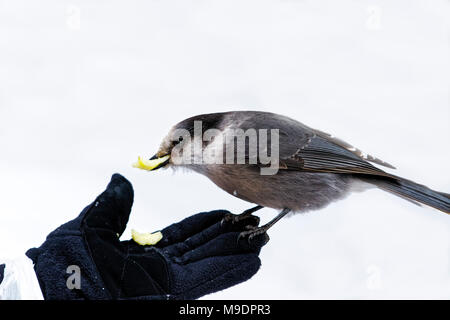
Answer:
(277, 162)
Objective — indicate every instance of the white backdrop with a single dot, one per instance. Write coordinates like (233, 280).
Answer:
(87, 86)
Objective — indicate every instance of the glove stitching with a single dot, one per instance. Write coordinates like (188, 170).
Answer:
(122, 276)
(145, 271)
(166, 269)
(84, 226)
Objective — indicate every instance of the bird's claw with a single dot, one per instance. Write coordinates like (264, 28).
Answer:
(252, 232)
(229, 217)
(235, 218)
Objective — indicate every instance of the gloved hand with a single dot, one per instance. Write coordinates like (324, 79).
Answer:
(197, 256)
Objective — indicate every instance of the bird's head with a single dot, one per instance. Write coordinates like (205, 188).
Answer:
(185, 142)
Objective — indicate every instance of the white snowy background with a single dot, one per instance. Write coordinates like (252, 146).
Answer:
(87, 86)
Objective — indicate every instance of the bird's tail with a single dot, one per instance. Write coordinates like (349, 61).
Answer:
(412, 191)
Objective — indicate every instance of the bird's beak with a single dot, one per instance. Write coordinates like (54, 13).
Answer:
(154, 163)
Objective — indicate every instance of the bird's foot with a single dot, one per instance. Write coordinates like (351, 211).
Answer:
(235, 218)
(252, 232)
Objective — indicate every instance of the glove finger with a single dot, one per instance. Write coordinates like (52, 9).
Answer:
(223, 245)
(180, 231)
(112, 208)
(213, 274)
(206, 235)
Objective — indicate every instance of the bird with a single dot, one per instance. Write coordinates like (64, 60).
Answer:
(294, 169)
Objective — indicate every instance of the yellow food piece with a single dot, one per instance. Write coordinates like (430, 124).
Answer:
(146, 239)
(149, 164)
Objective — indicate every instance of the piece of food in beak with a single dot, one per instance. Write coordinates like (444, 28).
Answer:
(151, 164)
(146, 239)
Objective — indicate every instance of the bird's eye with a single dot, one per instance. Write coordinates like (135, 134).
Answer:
(175, 142)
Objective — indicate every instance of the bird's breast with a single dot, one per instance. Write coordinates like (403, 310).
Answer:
(296, 190)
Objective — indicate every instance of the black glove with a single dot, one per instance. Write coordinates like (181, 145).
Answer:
(195, 257)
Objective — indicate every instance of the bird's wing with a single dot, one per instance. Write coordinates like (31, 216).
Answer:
(352, 149)
(322, 154)
(305, 148)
